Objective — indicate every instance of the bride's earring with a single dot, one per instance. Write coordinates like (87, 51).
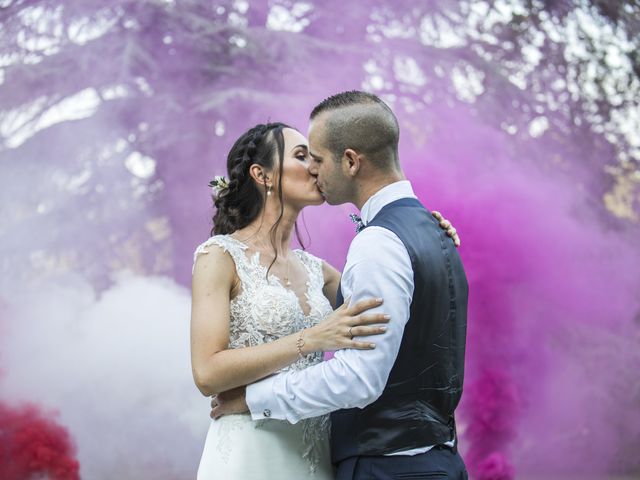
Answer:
(268, 190)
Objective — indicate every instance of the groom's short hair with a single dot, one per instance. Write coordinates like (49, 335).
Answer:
(363, 122)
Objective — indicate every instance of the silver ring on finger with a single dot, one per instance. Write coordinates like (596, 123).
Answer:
(350, 334)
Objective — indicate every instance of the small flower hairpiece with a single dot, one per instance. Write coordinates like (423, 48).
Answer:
(218, 184)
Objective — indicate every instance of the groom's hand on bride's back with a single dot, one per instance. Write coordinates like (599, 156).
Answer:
(229, 402)
(446, 226)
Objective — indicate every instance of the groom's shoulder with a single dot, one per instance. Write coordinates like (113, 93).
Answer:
(371, 242)
(399, 211)
(404, 216)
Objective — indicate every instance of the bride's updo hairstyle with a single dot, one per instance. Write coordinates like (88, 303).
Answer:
(239, 200)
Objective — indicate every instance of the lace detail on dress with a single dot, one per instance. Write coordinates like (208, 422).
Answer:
(265, 310)
(231, 423)
(314, 431)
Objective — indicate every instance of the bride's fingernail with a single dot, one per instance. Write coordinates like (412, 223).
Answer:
(379, 300)
(387, 316)
(383, 329)
(372, 345)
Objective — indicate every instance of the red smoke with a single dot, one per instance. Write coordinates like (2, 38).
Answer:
(32, 445)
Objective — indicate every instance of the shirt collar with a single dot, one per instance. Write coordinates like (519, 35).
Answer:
(384, 196)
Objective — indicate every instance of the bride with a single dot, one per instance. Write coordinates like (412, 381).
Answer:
(259, 307)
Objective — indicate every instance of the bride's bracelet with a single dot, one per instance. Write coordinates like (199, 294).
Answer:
(300, 344)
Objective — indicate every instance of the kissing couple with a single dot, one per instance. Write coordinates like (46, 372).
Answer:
(263, 313)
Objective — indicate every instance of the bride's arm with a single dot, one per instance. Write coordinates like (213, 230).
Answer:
(216, 368)
(331, 282)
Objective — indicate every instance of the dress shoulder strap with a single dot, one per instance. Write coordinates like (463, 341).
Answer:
(233, 247)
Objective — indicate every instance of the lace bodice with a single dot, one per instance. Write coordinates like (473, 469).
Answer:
(265, 310)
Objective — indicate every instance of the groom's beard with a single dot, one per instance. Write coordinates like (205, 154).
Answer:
(334, 199)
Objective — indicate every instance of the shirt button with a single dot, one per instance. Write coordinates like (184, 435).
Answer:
(266, 413)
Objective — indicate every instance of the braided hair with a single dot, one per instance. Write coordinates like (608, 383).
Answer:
(240, 201)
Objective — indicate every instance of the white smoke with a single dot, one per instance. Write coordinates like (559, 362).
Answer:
(117, 369)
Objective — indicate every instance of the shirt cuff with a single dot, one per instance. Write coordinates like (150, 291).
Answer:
(261, 400)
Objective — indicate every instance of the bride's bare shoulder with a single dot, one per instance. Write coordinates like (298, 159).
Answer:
(213, 260)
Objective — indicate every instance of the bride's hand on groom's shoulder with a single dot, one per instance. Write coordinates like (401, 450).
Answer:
(337, 331)
(447, 227)
(229, 402)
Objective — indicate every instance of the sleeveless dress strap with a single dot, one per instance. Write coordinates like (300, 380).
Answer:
(230, 245)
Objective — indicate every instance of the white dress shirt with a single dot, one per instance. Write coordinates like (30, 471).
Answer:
(378, 265)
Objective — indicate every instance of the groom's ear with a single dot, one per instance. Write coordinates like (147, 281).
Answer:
(351, 162)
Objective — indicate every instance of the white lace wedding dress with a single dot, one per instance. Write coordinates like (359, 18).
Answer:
(236, 447)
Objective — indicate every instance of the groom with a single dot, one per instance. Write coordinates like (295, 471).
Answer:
(393, 406)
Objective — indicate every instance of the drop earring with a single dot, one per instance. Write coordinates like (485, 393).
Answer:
(268, 190)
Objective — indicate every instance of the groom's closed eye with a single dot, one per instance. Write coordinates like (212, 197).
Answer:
(315, 158)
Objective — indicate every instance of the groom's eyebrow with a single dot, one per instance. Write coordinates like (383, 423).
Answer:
(314, 156)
